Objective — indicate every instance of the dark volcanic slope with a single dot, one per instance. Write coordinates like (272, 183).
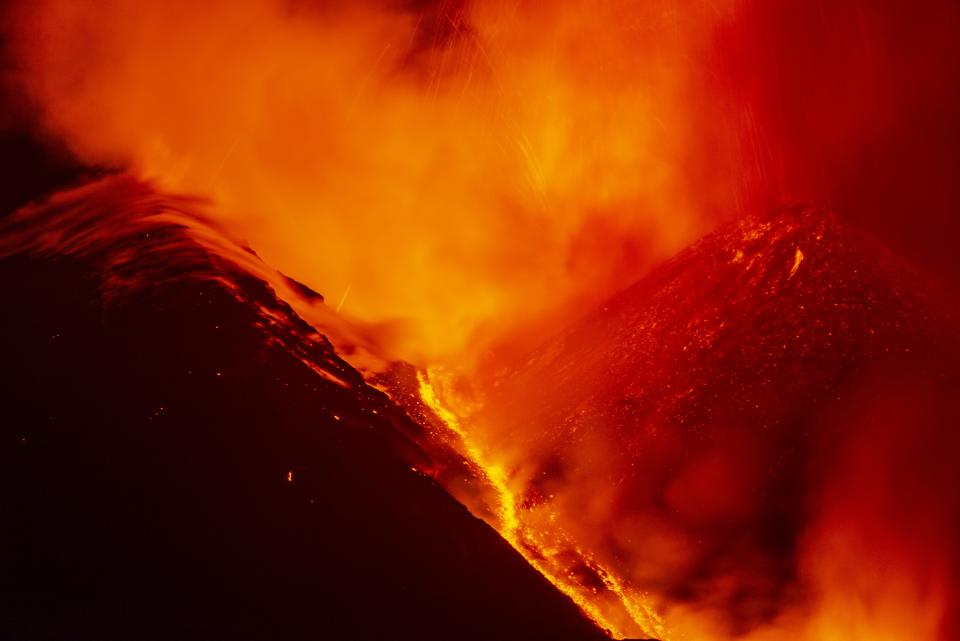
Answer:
(752, 321)
(687, 430)
(183, 459)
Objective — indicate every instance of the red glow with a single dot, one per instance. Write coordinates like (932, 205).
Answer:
(726, 447)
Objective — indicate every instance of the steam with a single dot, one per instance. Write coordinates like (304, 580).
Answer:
(455, 172)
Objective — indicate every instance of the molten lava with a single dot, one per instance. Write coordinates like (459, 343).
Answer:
(557, 558)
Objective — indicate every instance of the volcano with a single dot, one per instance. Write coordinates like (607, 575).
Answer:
(480, 319)
(183, 457)
(698, 434)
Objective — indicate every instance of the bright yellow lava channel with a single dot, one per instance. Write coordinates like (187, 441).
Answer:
(510, 527)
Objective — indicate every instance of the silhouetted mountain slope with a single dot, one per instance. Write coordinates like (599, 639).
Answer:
(182, 458)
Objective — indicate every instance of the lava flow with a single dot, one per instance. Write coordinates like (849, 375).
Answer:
(605, 601)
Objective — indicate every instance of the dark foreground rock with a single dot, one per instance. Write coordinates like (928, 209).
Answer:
(180, 458)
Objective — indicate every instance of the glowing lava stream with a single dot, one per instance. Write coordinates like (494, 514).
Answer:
(540, 553)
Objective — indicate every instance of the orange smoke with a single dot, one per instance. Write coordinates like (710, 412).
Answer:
(878, 557)
(449, 173)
